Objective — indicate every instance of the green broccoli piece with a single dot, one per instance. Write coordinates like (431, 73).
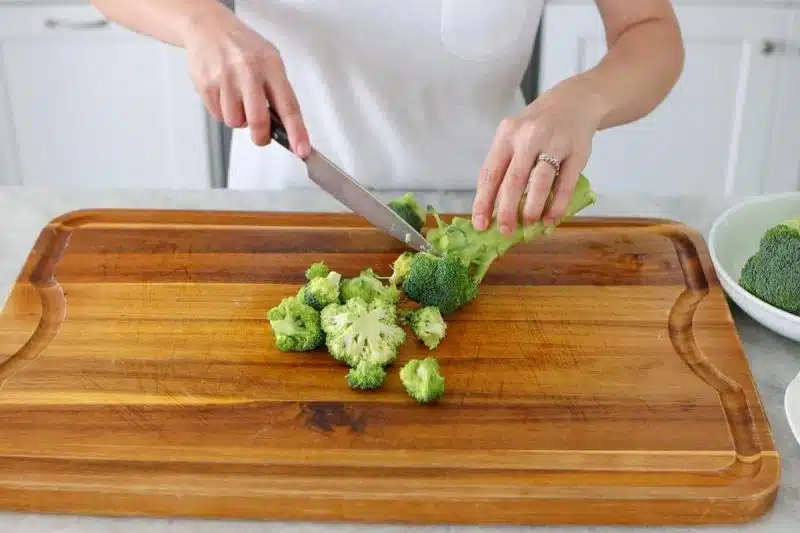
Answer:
(450, 280)
(296, 326)
(317, 270)
(772, 274)
(400, 268)
(410, 210)
(321, 291)
(357, 331)
(368, 286)
(428, 326)
(422, 379)
(404, 316)
(366, 376)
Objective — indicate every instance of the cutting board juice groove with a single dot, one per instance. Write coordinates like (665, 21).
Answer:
(597, 379)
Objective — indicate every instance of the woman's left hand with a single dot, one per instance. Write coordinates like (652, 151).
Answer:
(559, 124)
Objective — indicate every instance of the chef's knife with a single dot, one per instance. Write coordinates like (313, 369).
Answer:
(349, 192)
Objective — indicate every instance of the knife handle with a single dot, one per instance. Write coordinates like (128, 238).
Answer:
(278, 130)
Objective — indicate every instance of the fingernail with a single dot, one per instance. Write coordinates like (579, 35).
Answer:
(303, 149)
(505, 229)
(480, 222)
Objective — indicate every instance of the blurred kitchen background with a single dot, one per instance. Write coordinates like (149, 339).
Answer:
(81, 103)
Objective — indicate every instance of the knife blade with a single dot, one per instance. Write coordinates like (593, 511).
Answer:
(351, 194)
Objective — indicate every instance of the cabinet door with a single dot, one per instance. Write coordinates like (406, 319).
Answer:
(87, 103)
(712, 134)
(784, 171)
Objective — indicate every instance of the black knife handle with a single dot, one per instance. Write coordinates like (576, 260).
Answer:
(278, 130)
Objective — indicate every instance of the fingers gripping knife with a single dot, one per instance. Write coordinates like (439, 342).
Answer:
(347, 191)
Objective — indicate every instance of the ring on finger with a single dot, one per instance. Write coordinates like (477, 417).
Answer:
(552, 161)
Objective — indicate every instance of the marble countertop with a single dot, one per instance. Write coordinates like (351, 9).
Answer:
(774, 360)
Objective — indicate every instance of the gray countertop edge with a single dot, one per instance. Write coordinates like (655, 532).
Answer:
(774, 360)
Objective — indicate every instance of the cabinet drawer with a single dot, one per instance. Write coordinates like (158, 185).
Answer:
(55, 21)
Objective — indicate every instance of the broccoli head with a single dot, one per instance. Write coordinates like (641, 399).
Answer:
(366, 376)
(772, 274)
(428, 326)
(368, 286)
(317, 270)
(422, 379)
(451, 279)
(296, 326)
(400, 268)
(410, 210)
(357, 331)
(321, 290)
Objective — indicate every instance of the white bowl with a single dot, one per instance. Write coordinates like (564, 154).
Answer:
(734, 237)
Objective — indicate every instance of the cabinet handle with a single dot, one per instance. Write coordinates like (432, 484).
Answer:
(769, 47)
(55, 24)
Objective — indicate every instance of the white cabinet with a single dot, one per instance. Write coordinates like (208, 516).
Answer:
(731, 124)
(86, 103)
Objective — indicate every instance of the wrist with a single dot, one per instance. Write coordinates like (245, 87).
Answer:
(589, 90)
(203, 20)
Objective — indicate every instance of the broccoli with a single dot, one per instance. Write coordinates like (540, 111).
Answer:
(772, 274)
(410, 210)
(366, 376)
(317, 270)
(404, 316)
(451, 279)
(422, 380)
(321, 291)
(367, 286)
(357, 331)
(296, 326)
(428, 326)
(400, 269)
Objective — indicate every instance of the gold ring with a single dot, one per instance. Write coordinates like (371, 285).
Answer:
(547, 158)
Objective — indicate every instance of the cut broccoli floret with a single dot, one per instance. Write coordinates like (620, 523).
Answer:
(317, 270)
(296, 326)
(409, 210)
(357, 331)
(772, 274)
(401, 268)
(451, 279)
(366, 376)
(321, 291)
(422, 379)
(404, 316)
(428, 326)
(367, 286)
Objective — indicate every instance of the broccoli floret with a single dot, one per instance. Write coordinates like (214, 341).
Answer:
(367, 286)
(317, 270)
(401, 268)
(404, 316)
(428, 326)
(296, 326)
(357, 331)
(422, 379)
(450, 280)
(772, 274)
(366, 376)
(321, 291)
(409, 210)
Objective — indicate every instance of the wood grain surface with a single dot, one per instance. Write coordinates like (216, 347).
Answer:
(598, 378)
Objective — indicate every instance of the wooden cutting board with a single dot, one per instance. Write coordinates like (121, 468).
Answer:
(598, 378)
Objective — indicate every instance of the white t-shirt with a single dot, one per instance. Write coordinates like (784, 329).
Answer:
(402, 94)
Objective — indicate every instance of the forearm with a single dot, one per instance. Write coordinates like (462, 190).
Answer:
(641, 67)
(166, 20)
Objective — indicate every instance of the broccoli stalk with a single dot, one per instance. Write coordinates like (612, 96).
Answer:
(428, 326)
(400, 269)
(772, 274)
(296, 326)
(422, 379)
(357, 331)
(366, 376)
(409, 210)
(450, 280)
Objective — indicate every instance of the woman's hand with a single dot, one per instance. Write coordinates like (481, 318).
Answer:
(559, 124)
(240, 75)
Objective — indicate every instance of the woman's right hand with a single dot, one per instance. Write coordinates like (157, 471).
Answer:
(239, 75)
